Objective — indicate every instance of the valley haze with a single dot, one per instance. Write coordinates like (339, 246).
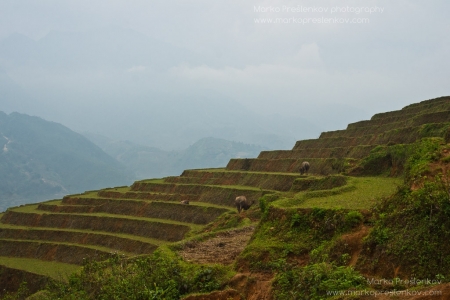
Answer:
(166, 75)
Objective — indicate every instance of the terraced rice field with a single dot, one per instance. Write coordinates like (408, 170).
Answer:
(53, 238)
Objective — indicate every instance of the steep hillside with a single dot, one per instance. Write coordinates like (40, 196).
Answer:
(41, 160)
(371, 214)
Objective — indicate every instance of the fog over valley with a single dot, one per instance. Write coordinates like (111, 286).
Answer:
(166, 75)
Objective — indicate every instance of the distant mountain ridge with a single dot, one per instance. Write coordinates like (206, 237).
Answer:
(42, 160)
(81, 79)
(151, 162)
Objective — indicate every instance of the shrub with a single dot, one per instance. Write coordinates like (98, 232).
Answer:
(315, 281)
(159, 276)
(353, 218)
(410, 229)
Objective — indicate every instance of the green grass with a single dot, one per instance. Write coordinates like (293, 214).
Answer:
(238, 187)
(359, 193)
(94, 194)
(206, 204)
(222, 170)
(208, 170)
(55, 270)
(118, 189)
(192, 203)
(153, 180)
(121, 235)
(33, 209)
(89, 246)
(53, 202)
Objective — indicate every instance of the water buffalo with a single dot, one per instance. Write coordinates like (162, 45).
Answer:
(304, 168)
(186, 202)
(242, 203)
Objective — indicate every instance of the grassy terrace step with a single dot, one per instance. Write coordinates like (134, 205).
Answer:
(125, 236)
(382, 125)
(77, 237)
(406, 119)
(408, 112)
(432, 105)
(358, 193)
(318, 166)
(267, 181)
(214, 194)
(65, 253)
(160, 210)
(11, 277)
(396, 136)
(313, 183)
(52, 269)
(356, 152)
(109, 193)
(136, 226)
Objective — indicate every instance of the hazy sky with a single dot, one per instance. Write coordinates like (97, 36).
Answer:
(316, 59)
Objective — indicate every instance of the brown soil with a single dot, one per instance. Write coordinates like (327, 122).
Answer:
(70, 254)
(436, 168)
(253, 286)
(279, 182)
(157, 230)
(84, 238)
(211, 194)
(353, 242)
(243, 286)
(220, 295)
(10, 280)
(142, 196)
(223, 248)
(149, 209)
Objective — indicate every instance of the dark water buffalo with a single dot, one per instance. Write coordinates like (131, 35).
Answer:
(186, 202)
(242, 203)
(304, 168)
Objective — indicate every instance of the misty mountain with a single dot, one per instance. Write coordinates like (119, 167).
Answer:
(172, 123)
(151, 162)
(42, 160)
(120, 83)
(213, 153)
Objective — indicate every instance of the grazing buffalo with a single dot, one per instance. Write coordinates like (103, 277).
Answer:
(304, 168)
(186, 202)
(242, 203)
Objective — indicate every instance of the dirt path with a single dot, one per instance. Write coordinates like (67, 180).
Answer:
(223, 248)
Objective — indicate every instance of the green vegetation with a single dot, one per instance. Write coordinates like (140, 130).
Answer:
(159, 276)
(315, 281)
(412, 224)
(359, 193)
(384, 159)
(61, 231)
(422, 154)
(286, 233)
(55, 270)
(318, 183)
